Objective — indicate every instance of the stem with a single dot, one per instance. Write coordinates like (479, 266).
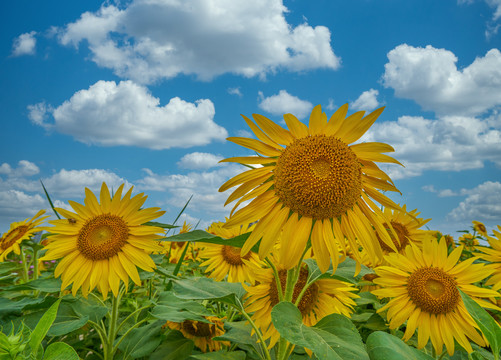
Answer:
(256, 329)
(292, 276)
(112, 332)
(127, 332)
(129, 316)
(25, 266)
(181, 258)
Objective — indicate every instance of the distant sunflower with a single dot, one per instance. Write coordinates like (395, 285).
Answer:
(479, 227)
(407, 227)
(317, 184)
(323, 297)
(493, 256)
(468, 241)
(423, 289)
(102, 243)
(202, 333)
(18, 232)
(175, 249)
(225, 260)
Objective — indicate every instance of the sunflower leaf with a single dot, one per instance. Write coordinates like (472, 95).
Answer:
(384, 346)
(332, 338)
(43, 327)
(219, 355)
(485, 322)
(60, 351)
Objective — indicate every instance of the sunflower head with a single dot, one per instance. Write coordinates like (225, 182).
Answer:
(314, 181)
(479, 227)
(202, 333)
(469, 241)
(18, 232)
(227, 261)
(492, 254)
(102, 242)
(423, 287)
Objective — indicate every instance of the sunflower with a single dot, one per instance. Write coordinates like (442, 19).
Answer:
(18, 232)
(493, 255)
(479, 227)
(323, 297)
(202, 333)
(468, 241)
(423, 289)
(102, 243)
(225, 260)
(316, 184)
(175, 249)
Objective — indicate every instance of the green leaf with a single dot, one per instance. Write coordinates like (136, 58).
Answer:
(48, 285)
(142, 341)
(334, 337)
(90, 308)
(238, 332)
(162, 225)
(485, 322)
(384, 346)
(43, 326)
(8, 306)
(60, 351)
(202, 288)
(220, 355)
(174, 309)
(174, 347)
(67, 320)
(347, 269)
(8, 267)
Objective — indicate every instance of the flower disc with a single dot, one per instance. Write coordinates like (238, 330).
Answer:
(318, 177)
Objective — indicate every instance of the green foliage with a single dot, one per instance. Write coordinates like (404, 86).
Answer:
(384, 346)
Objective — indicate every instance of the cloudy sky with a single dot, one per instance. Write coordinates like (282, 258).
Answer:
(146, 91)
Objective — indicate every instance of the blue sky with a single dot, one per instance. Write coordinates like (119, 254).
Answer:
(145, 92)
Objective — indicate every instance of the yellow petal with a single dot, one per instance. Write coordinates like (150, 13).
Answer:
(276, 132)
(256, 145)
(296, 127)
(336, 121)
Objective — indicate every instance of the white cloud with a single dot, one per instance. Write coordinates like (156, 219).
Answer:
(430, 77)
(202, 185)
(38, 114)
(483, 203)
(111, 114)
(284, 103)
(451, 143)
(17, 206)
(198, 160)
(235, 91)
(24, 44)
(150, 40)
(367, 101)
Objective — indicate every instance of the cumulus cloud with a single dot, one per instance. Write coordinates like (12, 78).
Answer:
(451, 143)
(24, 44)
(150, 40)
(430, 77)
(482, 203)
(283, 103)
(198, 160)
(38, 114)
(202, 185)
(111, 114)
(235, 91)
(366, 101)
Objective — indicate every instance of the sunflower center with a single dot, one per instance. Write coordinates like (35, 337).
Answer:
(199, 329)
(232, 256)
(318, 176)
(310, 297)
(12, 236)
(102, 237)
(433, 290)
(403, 237)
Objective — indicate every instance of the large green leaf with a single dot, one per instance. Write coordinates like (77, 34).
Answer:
(142, 341)
(43, 327)
(48, 285)
(67, 320)
(202, 288)
(333, 338)
(238, 332)
(90, 307)
(174, 347)
(8, 267)
(60, 351)
(485, 322)
(384, 346)
(205, 237)
(8, 306)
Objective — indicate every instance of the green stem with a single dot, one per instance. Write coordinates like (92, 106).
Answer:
(35, 263)
(256, 329)
(129, 316)
(112, 327)
(292, 276)
(25, 266)
(181, 258)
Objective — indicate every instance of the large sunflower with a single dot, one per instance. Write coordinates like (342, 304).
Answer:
(323, 297)
(493, 255)
(316, 184)
(423, 287)
(18, 232)
(222, 260)
(102, 243)
(202, 333)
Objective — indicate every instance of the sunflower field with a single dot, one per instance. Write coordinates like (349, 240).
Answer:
(314, 262)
